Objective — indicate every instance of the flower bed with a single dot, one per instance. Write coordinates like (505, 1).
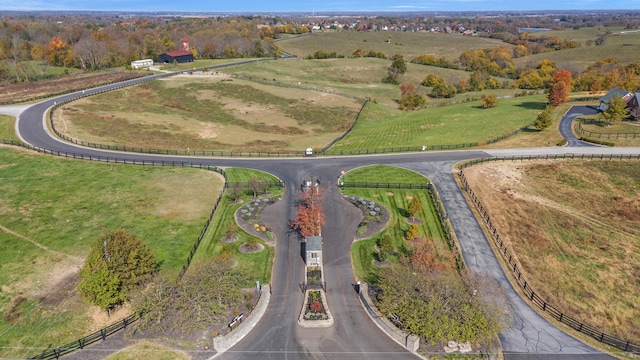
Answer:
(315, 309)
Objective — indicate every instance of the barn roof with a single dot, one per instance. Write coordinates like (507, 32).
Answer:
(615, 91)
(178, 53)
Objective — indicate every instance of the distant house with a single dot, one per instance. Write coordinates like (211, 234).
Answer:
(180, 56)
(313, 251)
(627, 96)
(139, 64)
(634, 106)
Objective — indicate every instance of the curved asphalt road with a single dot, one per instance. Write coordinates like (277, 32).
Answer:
(353, 336)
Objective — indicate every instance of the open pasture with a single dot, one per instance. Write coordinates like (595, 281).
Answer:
(621, 46)
(209, 112)
(382, 127)
(52, 209)
(407, 44)
(573, 226)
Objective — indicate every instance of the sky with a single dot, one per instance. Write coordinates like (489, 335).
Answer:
(256, 6)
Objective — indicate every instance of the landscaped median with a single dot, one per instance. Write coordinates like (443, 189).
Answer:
(315, 313)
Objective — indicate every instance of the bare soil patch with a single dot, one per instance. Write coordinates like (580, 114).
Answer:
(46, 88)
(574, 228)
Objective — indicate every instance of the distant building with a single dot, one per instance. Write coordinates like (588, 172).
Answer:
(627, 96)
(139, 64)
(181, 56)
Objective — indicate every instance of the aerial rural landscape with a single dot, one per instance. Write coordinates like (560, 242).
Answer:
(319, 185)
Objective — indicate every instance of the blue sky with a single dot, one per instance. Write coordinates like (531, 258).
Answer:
(256, 6)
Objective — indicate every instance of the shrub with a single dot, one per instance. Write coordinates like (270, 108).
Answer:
(489, 101)
(315, 306)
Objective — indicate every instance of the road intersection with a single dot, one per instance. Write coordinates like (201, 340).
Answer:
(353, 336)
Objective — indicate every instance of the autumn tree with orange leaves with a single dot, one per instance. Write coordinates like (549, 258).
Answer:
(58, 52)
(560, 87)
(310, 216)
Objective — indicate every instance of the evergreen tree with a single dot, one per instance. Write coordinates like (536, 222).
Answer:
(118, 262)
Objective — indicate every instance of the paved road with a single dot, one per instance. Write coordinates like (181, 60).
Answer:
(567, 121)
(353, 335)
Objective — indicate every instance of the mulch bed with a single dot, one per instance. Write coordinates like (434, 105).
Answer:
(375, 216)
(248, 216)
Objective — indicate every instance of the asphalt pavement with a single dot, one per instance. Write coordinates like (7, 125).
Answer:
(353, 335)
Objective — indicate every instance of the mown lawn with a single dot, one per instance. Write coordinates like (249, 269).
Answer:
(259, 264)
(381, 127)
(396, 202)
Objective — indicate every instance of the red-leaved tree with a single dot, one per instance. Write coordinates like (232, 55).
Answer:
(560, 87)
(310, 216)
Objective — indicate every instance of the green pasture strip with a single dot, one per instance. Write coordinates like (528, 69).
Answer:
(7, 128)
(382, 127)
(384, 174)
(244, 175)
(196, 64)
(65, 204)
(396, 201)
(405, 43)
(258, 264)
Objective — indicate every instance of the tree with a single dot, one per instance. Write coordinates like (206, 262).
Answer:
(415, 206)
(616, 110)
(118, 263)
(397, 68)
(310, 216)
(489, 101)
(412, 232)
(253, 185)
(543, 120)
(385, 246)
(560, 87)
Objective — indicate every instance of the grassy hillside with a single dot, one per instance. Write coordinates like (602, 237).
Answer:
(622, 46)
(405, 43)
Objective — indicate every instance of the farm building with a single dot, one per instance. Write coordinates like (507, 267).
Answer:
(180, 56)
(139, 64)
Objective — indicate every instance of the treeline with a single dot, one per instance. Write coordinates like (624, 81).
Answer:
(29, 45)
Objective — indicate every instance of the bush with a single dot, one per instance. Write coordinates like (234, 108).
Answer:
(599, 142)
(489, 101)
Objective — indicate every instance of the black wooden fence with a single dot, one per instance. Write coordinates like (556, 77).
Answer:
(514, 268)
(599, 135)
(101, 334)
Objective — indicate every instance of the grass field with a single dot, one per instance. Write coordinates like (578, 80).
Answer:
(359, 77)
(259, 264)
(407, 44)
(396, 201)
(7, 128)
(573, 226)
(52, 209)
(209, 112)
(620, 133)
(382, 127)
(149, 351)
(623, 47)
